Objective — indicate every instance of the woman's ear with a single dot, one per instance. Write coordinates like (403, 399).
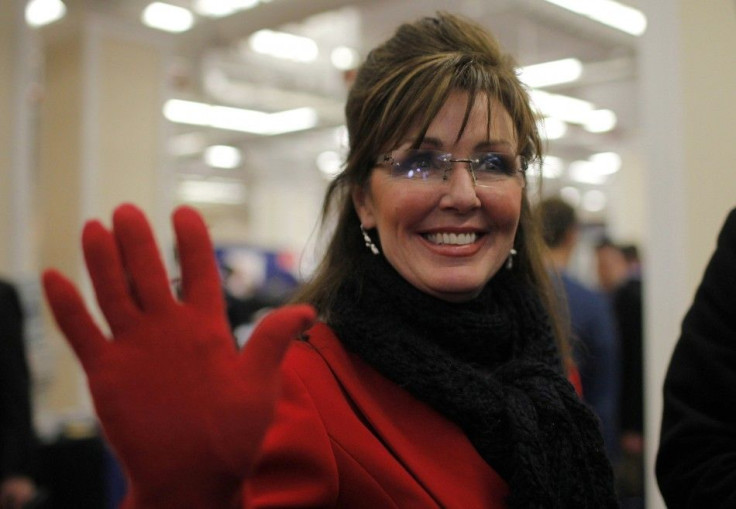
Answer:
(363, 204)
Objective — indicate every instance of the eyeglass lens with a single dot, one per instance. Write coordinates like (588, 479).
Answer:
(487, 168)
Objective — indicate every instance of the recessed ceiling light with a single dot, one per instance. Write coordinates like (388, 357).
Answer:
(222, 156)
(600, 121)
(167, 17)
(43, 12)
(329, 163)
(344, 58)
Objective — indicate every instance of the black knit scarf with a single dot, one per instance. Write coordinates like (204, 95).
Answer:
(491, 366)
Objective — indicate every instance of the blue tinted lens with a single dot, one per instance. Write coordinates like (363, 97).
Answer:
(493, 164)
(420, 164)
(434, 165)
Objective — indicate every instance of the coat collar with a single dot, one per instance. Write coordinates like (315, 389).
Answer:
(432, 448)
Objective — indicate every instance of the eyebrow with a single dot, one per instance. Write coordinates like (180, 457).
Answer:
(489, 145)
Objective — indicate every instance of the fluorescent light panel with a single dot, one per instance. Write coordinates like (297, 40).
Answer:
(239, 119)
(584, 173)
(221, 8)
(573, 110)
(553, 128)
(555, 72)
(284, 45)
(562, 107)
(596, 169)
(609, 12)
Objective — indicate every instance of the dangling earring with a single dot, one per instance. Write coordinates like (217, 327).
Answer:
(510, 259)
(368, 241)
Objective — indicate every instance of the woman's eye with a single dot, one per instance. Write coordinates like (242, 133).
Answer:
(418, 160)
(495, 163)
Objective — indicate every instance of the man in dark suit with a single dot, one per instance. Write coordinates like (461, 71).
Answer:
(696, 462)
(16, 432)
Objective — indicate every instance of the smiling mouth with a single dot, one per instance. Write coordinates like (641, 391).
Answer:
(453, 239)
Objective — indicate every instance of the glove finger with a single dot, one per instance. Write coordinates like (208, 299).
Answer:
(141, 258)
(72, 317)
(108, 276)
(201, 285)
(269, 341)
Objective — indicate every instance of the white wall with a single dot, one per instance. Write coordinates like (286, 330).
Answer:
(687, 74)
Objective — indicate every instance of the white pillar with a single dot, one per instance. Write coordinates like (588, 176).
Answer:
(18, 69)
(100, 143)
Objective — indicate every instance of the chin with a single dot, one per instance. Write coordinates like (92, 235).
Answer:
(456, 291)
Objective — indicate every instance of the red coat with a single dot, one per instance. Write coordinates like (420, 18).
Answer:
(345, 436)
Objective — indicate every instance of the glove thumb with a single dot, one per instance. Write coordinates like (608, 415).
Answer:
(268, 343)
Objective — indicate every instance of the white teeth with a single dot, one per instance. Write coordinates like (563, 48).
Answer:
(457, 239)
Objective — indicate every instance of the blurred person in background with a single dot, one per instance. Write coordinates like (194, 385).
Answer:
(695, 461)
(619, 272)
(633, 260)
(420, 366)
(611, 266)
(592, 323)
(17, 437)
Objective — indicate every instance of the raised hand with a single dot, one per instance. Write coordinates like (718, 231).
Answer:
(185, 412)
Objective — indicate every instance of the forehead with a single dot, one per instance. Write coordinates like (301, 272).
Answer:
(457, 121)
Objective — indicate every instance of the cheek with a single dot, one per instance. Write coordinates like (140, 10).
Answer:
(400, 208)
(503, 207)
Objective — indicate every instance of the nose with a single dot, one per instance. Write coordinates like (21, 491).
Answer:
(460, 191)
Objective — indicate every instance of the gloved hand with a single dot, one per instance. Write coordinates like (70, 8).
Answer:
(185, 412)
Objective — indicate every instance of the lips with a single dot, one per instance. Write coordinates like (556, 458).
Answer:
(451, 238)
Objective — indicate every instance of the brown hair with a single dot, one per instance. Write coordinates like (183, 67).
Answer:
(403, 83)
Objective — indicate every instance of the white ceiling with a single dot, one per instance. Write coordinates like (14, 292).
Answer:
(213, 68)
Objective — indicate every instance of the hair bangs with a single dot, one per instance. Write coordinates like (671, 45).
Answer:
(417, 99)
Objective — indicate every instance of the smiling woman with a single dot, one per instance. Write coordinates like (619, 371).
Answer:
(435, 375)
(448, 236)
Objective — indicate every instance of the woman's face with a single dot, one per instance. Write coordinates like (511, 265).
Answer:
(449, 238)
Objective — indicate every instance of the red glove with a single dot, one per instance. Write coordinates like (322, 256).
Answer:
(185, 412)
